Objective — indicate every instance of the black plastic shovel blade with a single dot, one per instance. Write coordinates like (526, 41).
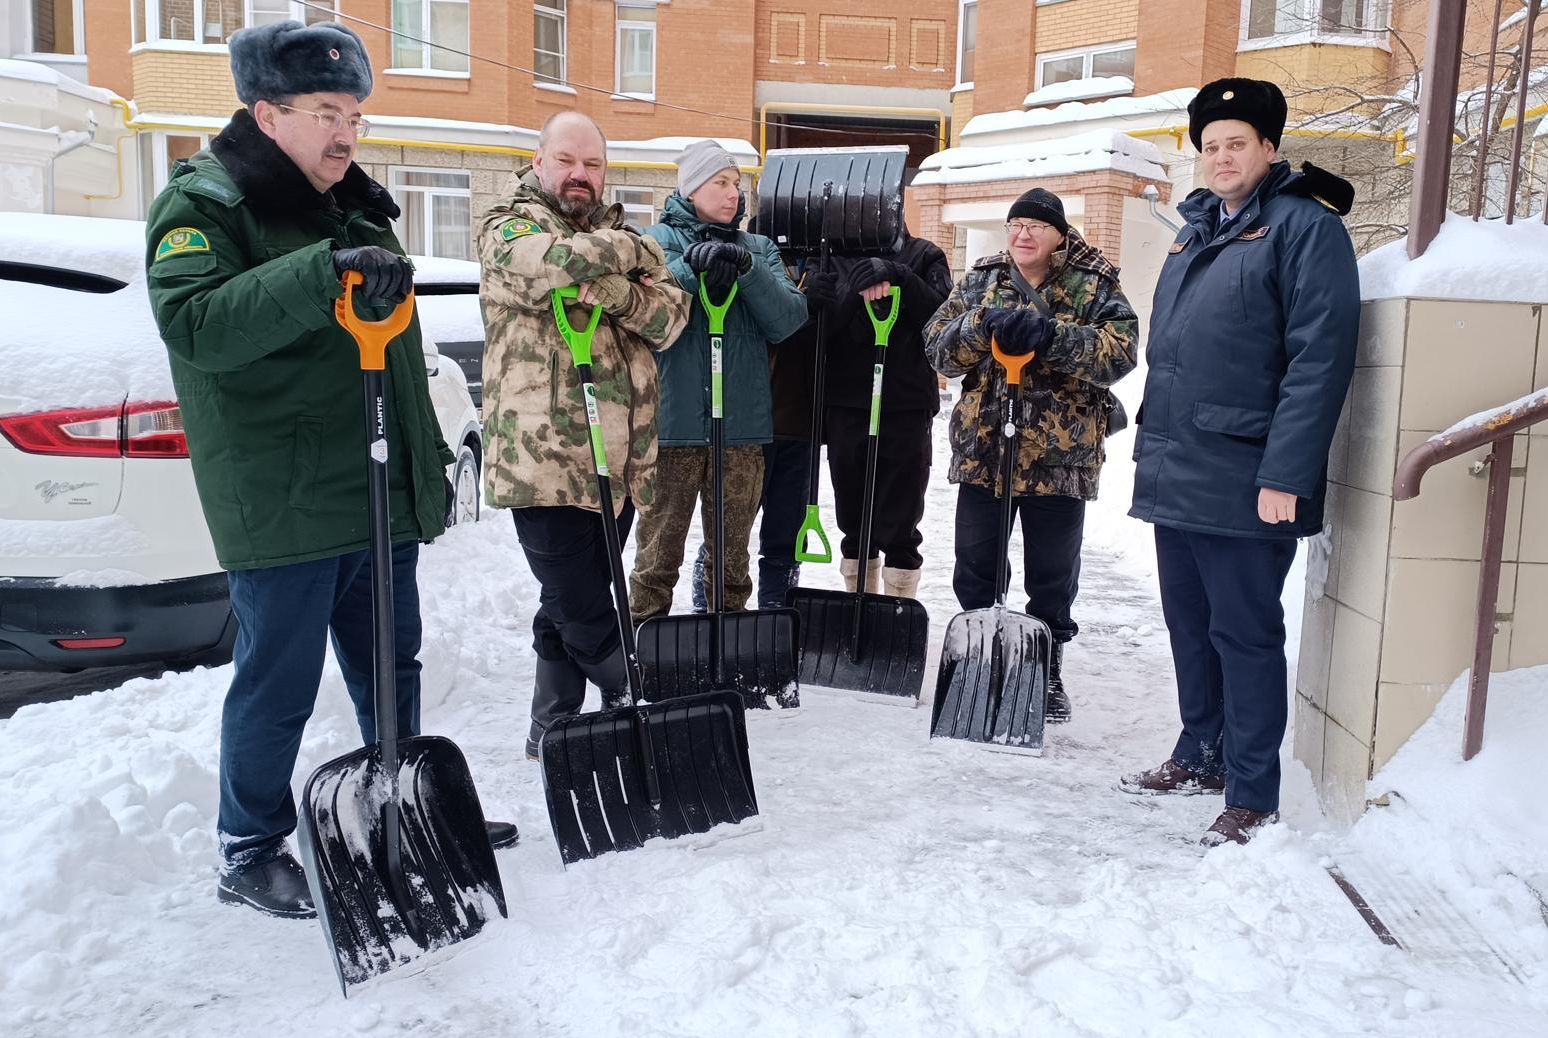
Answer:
(863, 211)
(759, 657)
(448, 866)
(993, 680)
(593, 775)
(895, 634)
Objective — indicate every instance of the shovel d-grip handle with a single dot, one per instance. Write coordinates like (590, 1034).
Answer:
(1012, 363)
(578, 340)
(883, 325)
(371, 337)
(812, 524)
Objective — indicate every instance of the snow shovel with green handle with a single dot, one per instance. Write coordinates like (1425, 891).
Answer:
(993, 679)
(392, 835)
(752, 652)
(616, 778)
(856, 640)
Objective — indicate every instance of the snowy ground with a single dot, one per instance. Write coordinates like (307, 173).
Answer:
(890, 885)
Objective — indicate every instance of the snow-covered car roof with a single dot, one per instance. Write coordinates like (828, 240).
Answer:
(66, 348)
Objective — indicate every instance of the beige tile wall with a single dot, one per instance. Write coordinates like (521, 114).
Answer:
(1393, 628)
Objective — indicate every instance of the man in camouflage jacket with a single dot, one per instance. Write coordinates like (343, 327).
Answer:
(1054, 295)
(553, 232)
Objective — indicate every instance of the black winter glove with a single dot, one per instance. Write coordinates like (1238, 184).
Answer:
(716, 263)
(388, 277)
(874, 271)
(1018, 330)
(822, 291)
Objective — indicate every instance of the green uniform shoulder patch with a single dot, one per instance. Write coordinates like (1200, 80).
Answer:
(181, 239)
(510, 230)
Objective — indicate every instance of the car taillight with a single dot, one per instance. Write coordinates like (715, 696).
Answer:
(137, 430)
(91, 432)
(154, 430)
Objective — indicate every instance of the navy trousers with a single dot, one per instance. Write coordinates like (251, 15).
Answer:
(1220, 596)
(1051, 532)
(285, 616)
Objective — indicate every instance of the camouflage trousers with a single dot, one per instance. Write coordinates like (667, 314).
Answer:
(683, 478)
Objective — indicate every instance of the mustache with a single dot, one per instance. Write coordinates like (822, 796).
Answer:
(583, 185)
(337, 153)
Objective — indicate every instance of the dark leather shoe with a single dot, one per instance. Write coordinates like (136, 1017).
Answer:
(276, 887)
(1237, 825)
(1171, 777)
(502, 834)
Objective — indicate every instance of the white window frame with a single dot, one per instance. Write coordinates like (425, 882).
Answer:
(160, 166)
(396, 189)
(636, 208)
(1312, 32)
(153, 26)
(78, 44)
(298, 10)
(620, 23)
(962, 6)
(425, 66)
(563, 18)
(1087, 53)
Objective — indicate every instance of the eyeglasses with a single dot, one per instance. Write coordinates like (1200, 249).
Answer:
(334, 121)
(1019, 227)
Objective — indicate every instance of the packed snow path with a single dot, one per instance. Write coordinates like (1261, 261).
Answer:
(891, 886)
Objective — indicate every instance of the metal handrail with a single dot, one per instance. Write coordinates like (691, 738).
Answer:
(1498, 430)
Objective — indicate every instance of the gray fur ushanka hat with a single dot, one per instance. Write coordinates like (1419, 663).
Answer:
(288, 58)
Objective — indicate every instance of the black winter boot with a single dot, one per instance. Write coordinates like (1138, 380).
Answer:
(610, 679)
(558, 690)
(1056, 709)
(275, 887)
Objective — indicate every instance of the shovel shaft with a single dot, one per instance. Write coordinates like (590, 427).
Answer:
(718, 466)
(883, 328)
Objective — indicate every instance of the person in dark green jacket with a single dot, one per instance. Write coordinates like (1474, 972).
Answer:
(698, 231)
(245, 250)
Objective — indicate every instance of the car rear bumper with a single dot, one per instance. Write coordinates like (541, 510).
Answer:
(165, 621)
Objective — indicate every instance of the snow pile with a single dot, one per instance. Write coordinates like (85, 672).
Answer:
(1474, 260)
(1172, 102)
(66, 348)
(1079, 90)
(1077, 153)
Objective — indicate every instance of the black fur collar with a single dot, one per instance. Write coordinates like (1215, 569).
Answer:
(269, 179)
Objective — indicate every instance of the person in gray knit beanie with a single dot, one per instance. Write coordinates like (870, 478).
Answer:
(698, 162)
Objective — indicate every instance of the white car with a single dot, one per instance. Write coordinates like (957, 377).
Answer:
(105, 558)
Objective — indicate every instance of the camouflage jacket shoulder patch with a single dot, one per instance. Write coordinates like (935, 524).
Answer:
(200, 184)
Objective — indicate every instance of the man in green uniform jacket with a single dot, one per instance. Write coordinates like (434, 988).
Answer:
(245, 250)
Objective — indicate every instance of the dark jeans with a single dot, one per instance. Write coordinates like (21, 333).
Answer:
(1051, 529)
(285, 615)
(567, 552)
(902, 474)
(1220, 597)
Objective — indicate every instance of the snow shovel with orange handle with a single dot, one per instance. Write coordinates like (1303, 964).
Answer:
(993, 677)
(392, 835)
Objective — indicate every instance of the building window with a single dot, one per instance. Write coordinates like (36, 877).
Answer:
(430, 34)
(161, 152)
(639, 205)
(192, 21)
(437, 209)
(548, 36)
(1267, 19)
(967, 41)
(1109, 59)
(635, 51)
(57, 27)
(267, 12)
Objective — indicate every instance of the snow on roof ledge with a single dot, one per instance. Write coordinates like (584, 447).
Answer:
(1078, 153)
(1079, 90)
(37, 72)
(1487, 261)
(1078, 111)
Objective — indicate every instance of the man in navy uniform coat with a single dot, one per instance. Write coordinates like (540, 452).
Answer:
(1251, 348)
